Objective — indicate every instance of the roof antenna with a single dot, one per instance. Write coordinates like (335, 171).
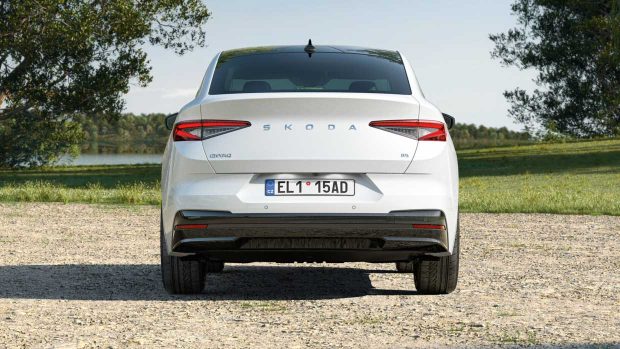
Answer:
(309, 48)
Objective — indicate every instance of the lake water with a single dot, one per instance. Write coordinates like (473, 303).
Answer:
(112, 159)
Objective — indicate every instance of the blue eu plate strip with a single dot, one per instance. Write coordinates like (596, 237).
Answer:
(270, 187)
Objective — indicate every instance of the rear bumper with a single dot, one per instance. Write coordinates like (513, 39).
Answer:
(396, 236)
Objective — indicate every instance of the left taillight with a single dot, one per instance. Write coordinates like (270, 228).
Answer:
(422, 130)
(203, 129)
(191, 227)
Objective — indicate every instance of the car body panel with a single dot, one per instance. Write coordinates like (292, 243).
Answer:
(309, 132)
(386, 180)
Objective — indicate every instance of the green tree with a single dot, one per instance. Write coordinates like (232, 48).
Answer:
(575, 47)
(63, 57)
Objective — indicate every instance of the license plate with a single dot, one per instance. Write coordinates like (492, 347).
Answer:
(310, 187)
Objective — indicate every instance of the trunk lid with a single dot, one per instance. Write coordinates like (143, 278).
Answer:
(310, 133)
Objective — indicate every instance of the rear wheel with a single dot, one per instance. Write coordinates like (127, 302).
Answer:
(405, 267)
(438, 276)
(180, 276)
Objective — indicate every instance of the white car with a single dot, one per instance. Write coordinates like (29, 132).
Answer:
(309, 154)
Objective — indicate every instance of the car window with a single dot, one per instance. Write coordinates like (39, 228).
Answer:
(320, 72)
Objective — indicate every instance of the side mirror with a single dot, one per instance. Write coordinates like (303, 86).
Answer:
(170, 119)
(450, 121)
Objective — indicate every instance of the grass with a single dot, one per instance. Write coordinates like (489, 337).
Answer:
(575, 178)
(528, 337)
(567, 178)
(119, 184)
(266, 306)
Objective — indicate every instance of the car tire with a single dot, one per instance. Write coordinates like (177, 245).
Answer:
(214, 266)
(180, 276)
(405, 267)
(438, 276)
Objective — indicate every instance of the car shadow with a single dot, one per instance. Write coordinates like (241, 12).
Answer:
(143, 282)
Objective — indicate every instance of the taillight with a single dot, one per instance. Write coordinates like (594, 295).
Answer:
(422, 130)
(203, 129)
(429, 226)
(190, 226)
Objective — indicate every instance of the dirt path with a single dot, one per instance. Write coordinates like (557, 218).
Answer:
(88, 276)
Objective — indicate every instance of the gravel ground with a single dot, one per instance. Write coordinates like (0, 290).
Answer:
(88, 276)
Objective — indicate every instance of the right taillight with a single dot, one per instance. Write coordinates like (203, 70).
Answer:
(422, 130)
(202, 129)
(429, 226)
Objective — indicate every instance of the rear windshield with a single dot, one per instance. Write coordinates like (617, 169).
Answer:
(322, 72)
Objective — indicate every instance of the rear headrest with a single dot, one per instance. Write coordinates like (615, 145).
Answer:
(361, 86)
(256, 86)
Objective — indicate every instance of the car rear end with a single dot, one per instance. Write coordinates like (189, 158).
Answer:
(287, 155)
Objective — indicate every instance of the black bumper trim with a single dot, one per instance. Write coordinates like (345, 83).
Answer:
(320, 235)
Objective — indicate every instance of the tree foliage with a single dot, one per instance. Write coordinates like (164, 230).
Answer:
(574, 45)
(62, 57)
(137, 134)
(467, 136)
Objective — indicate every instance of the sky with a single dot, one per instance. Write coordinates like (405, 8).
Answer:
(445, 41)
